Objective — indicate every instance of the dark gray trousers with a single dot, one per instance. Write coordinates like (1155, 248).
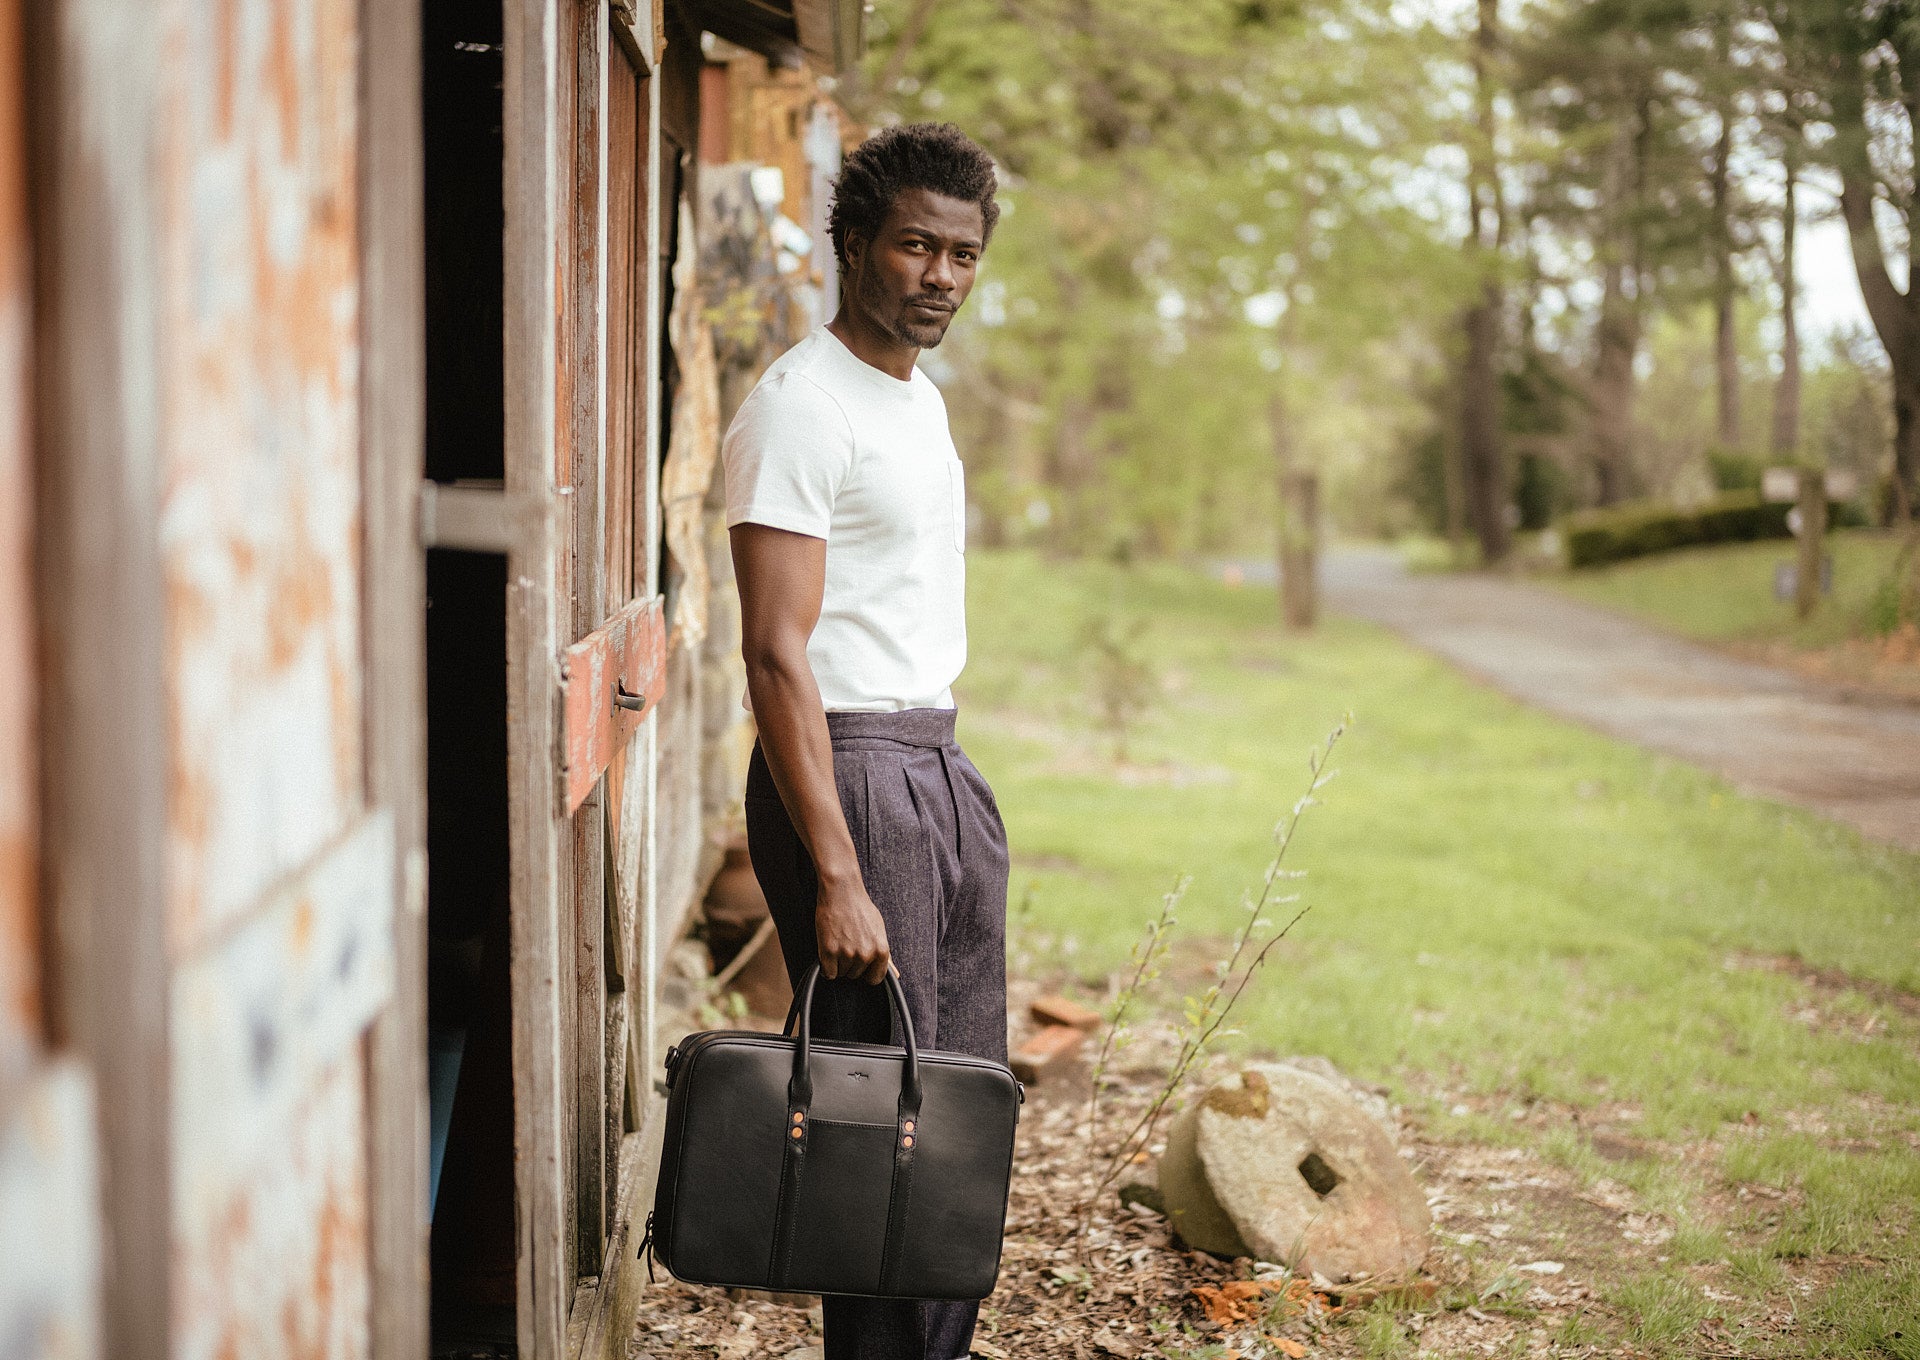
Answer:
(933, 855)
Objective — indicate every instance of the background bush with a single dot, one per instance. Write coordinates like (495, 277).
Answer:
(1596, 537)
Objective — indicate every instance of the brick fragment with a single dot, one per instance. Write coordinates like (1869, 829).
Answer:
(1057, 1010)
(1047, 1047)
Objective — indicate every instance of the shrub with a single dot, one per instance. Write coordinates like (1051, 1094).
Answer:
(1734, 470)
(1596, 537)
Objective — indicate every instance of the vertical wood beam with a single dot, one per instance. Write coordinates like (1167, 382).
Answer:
(648, 529)
(593, 591)
(392, 424)
(94, 79)
(541, 1156)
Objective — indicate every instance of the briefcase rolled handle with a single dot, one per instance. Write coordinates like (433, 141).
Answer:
(800, 1089)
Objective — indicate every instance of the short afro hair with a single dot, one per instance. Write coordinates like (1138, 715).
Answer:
(937, 157)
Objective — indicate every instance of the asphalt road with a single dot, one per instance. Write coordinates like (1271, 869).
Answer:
(1770, 733)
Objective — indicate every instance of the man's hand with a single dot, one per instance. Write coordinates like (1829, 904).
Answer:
(853, 938)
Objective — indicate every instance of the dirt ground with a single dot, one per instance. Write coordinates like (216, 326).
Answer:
(1525, 1254)
(1809, 739)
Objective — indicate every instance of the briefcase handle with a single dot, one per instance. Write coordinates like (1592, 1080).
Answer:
(800, 1088)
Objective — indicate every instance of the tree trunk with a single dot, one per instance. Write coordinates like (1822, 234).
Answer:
(1482, 465)
(1786, 393)
(1813, 541)
(1298, 495)
(1893, 312)
(1300, 550)
(1906, 447)
(1483, 473)
(1726, 350)
(1616, 343)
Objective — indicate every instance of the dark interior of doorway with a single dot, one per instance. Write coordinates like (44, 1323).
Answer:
(470, 1064)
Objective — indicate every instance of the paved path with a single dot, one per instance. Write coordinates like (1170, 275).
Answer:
(1768, 732)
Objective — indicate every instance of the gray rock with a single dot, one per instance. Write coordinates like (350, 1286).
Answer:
(1187, 1200)
(1306, 1176)
(1372, 1099)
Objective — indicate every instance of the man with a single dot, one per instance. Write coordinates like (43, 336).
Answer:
(875, 839)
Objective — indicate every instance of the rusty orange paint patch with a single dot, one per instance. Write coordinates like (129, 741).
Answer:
(626, 655)
(256, 156)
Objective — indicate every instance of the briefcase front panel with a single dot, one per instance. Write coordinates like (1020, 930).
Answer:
(727, 1146)
(719, 1206)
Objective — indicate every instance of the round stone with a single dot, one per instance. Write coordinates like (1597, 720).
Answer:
(1308, 1178)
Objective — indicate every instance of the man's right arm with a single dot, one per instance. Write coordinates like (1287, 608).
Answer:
(782, 579)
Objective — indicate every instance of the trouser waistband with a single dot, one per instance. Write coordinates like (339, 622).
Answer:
(912, 726)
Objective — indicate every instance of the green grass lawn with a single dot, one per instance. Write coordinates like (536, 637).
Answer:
(1725, 594)
(1502, 905)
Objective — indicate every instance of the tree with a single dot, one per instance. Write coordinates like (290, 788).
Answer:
(1483, 473)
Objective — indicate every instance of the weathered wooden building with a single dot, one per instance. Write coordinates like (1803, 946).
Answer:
(366, 715)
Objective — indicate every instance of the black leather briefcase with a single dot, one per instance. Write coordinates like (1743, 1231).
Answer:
(816, 1167)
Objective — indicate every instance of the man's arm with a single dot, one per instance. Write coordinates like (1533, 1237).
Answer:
(782, 578)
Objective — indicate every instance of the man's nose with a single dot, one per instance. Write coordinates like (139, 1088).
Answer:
(939, 272)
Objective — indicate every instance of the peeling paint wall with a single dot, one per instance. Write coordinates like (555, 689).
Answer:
(279, 912)
(261, 520)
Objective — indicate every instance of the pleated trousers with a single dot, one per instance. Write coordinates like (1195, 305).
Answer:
(933, 856)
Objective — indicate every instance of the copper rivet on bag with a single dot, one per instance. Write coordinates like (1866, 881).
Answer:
(797, 1116)
(796, 1130)
(907, 1141)
(908, 1126)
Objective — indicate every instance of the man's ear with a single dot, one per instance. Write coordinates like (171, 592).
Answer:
(856, 247)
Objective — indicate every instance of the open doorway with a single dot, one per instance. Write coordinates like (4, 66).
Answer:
(470, 1059)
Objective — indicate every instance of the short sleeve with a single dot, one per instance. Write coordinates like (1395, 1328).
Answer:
(786, 456)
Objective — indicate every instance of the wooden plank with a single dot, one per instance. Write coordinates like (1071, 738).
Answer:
(624, 657)
(614, 1045)
(832, 33)
(281, 1271)
(22, 954)
(283, 997)
(535, 814)
(392, 339)
(582, 338)
(618, 1306)
(95, 116)
(49, 1217)
(258, 142)
(475, 518)
(643, 989)
(589, 1039)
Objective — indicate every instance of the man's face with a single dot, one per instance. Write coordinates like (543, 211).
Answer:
(912, 277)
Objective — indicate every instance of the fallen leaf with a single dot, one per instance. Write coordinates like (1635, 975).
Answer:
(1236, 1300)
(1121, 1346)
(1290, 1347)
(988, 1349)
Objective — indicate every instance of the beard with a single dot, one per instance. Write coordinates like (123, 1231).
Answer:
(901, 321)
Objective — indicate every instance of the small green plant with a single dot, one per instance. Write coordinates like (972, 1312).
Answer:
(1577, 1330)
(1380, 1336)
(1124, 681)
(1148, 956)
(1204, 1016)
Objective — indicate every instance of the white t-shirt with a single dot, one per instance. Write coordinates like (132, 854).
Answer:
(829, 446)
